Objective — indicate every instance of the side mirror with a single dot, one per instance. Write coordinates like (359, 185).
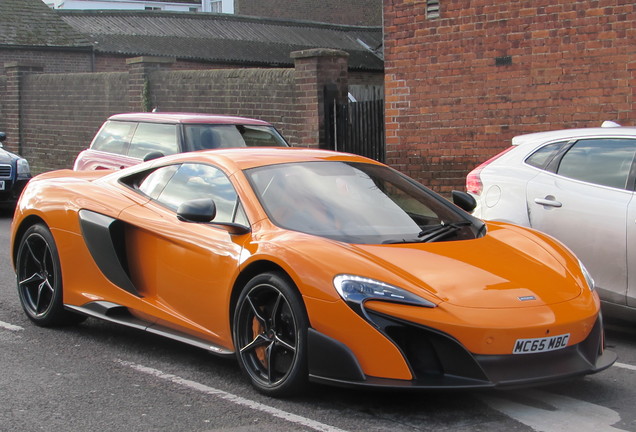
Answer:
(203, 210)
(3, 137)
(153, 155)
(464, 200)
(197, 210)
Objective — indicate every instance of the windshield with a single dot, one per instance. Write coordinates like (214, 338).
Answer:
(355, 203)
(213, 136)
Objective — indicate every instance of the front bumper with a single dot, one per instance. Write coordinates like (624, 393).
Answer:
(438, 361)
(12, 190)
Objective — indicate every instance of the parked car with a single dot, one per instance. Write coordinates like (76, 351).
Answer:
(128, 139)
(14, 175)
(307, 265)
(578, 186)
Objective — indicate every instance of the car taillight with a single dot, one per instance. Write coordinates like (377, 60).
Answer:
(473, 179)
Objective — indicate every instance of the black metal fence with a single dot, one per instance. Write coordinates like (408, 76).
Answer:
(356, 127)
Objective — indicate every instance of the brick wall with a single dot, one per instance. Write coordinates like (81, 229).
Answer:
(61, 113)
(52, 61)
(267, 94)
(117, 63)
(460, 86)
(366, 78)
(3, 90)
(349, 12)
(50, 118)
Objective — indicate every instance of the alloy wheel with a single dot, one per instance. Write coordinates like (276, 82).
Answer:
(269, 334)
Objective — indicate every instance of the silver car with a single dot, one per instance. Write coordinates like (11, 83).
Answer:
(578, 186)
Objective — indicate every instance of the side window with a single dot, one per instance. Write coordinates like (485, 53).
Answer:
(154, 137)
(542, 157)
(260, 136)
(154, 183)
(113, 137)
(200, 137)
(603, 161)
(194, 181)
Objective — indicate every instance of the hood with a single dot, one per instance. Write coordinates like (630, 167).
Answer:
(508, 267)
(6, 157)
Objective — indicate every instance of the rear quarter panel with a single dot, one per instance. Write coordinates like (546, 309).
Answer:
(504, 192)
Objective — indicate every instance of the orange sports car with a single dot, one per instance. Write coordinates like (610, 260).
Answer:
(307, 265)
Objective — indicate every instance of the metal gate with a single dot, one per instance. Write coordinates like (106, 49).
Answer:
(355, 127)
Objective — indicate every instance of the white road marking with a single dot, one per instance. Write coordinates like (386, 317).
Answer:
(11, 327)
(549, 412)
(625, 366)
(257, 406)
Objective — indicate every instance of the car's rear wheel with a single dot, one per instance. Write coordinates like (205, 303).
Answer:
(39, 279)
(270, 334)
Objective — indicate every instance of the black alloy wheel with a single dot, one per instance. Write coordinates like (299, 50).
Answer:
(39, 279)
(270, 333)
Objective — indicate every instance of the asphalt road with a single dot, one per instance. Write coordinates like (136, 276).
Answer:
(101, 377)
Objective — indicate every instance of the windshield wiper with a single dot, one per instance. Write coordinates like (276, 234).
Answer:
(432, 234)
(441, 232)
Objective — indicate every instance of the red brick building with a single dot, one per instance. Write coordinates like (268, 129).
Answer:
(463, 77)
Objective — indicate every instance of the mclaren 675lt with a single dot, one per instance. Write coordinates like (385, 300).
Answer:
(307, 265)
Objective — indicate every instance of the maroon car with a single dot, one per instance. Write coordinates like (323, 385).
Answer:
(128, 139)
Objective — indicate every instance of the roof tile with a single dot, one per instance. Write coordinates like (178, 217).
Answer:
(221, 37)
(32, 23)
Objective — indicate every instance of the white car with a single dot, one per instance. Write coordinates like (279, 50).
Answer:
(578, 186)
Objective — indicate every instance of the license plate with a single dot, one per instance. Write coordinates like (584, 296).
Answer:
(529, 346)
(1, 184)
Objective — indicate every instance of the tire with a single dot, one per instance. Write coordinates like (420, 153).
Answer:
(39, 279)
(270, 335)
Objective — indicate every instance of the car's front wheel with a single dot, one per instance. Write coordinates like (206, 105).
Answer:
(39, 279)
(270, 334)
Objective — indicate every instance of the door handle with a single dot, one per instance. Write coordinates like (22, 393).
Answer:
(548, 201)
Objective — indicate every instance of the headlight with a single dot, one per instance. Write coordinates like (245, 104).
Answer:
(23, 168)
(355, 290)
(588, 277)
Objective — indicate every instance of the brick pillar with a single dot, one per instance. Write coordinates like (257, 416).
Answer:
(12, 103)
(139, 71)
(314, 70)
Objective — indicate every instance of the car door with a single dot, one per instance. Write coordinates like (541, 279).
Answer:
(631, 253)
(582, 200)
(183, 270)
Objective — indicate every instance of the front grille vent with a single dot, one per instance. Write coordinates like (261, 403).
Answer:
(5, 171)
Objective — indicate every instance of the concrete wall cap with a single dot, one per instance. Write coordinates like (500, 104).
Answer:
(318, 52)
(150, 59)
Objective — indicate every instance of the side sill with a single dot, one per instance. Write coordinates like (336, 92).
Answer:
(119, 314)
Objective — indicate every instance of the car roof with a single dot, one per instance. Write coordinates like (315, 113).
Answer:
(191, 118)
(250, 157)
(622, 131)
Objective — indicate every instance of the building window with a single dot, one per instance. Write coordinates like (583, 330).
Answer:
(432, 8)
(152, 8)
